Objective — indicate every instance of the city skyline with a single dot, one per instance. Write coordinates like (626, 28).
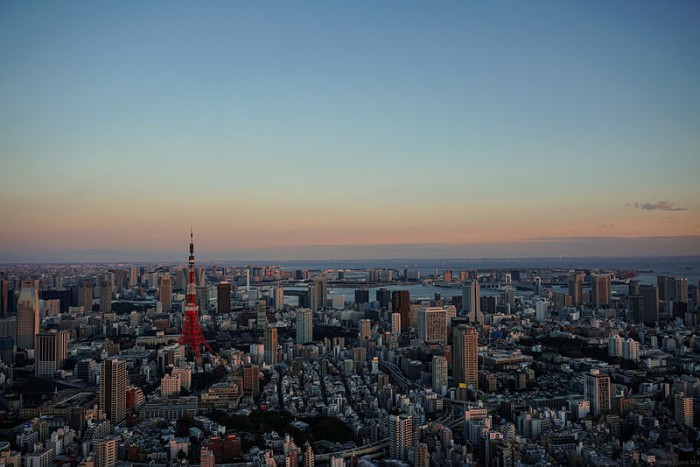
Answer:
(316, 131)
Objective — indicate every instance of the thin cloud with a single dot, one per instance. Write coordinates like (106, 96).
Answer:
(660, 206)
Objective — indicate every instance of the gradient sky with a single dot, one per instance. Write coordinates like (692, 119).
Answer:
(279, 126)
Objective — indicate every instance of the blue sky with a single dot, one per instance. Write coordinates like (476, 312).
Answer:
(287, 124)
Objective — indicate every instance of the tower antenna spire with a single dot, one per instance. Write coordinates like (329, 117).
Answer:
(191, 335)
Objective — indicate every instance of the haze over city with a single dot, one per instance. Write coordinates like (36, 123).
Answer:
(328, 130)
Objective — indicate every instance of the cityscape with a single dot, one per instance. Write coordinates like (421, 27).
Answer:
(349, 234)
(120, 364)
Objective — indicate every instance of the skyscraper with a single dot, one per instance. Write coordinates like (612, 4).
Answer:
(165, 292)
(365, 326)
(471, 301)
(105, 297)
(113, 389)
(649, 304)
(270, 344)
(27, 314)
(400, 436)
(401, 304)
(305, 321)
(465, 359)
(278, 298)
(432, 325)
(601, 290)
(395, 323)
(596, 388)
(85, 295)
(576, 288)
(383, 296)
(50, 352)
(683, 412)
(439, 374)
(223, 297)
(321, 290)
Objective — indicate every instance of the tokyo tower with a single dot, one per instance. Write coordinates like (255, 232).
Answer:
(191, 330)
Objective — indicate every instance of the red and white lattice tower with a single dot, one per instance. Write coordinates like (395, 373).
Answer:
(191, 330)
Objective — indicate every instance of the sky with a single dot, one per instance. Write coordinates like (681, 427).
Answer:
(298, 130)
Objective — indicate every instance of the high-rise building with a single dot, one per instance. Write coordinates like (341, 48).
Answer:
(630, 350)
(321, 293)
(365, 326)
(649, 304)
(432, 325)
(440, 380)
(133, 277)
(27, 314)
(400, 436)
(683, 406)
(113, 389)
(383, 296)
(471, 301)
(309, 457)
(305, 326)
(85, 296)
(422, 455)
(105, 297)
(223, 297)
(165, 292)
(401, 304)
(465, 358)
(50, 352)
(206, 457)
(673, 288)
(251, 380)
(270, 344)
(596, 388)
(396, 323)
(4, 298)
(361, 296)
(106, 453)
(170, 386)
(601, 290)
(576, 288)
(278, 298)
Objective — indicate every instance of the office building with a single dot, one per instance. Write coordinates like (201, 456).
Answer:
(113, 389)
(471, 301)
(223, 297)
(170, 386)
(105, 297)
(365, 326)
(361, 296)
(251, 380)
(422, 455)
(601, 290)
(278, 298)
(85, 296)
(439, 374)
(596, 388)
(396, 323)
(400, 436)
(576, 288)
(319, 293)
(27, 315)
(465, 359)
(165, 292)
(270, 344)
(649, 304)
(50, 349)
(432, 325)
(305, 326)
(401, 304)
(383, 296)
